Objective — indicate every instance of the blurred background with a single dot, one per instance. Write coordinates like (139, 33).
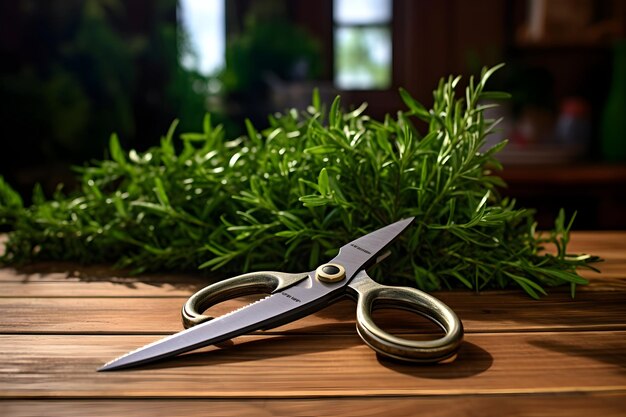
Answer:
(74, 71)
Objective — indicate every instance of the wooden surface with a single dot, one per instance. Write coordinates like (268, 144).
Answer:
(557, 356)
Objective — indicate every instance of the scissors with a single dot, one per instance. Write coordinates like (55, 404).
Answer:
(292, 296)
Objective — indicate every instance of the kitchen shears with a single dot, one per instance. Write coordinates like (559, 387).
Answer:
(293, 296)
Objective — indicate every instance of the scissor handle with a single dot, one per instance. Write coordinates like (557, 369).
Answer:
(372, 294)
(265, 282)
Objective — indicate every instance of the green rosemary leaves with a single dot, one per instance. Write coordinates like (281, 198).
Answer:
(287, 197)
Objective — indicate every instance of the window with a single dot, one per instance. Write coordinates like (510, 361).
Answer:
(203, 21)
(362, 44)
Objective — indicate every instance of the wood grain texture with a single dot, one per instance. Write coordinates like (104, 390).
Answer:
(309, 365)
(64, 289)
(71, 272)
(553, 405)
(554, 357)
(488, 312)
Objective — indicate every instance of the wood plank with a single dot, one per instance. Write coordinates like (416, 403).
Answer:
(578, 404)
(310, 366)
(75, 289)
(314, 366)
(487, 312)
(609, 245)
(603, 242)
(72, 272)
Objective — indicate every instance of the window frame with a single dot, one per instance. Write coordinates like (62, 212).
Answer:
(383, 24)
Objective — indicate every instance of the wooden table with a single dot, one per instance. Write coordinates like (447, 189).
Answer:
(556, 356)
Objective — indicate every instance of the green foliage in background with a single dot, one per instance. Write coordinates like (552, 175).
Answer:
(76, 70)
(288, 197)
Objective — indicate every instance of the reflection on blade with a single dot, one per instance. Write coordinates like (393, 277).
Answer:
(264, 313)
(361, 252)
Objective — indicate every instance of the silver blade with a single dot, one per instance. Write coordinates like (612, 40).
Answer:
(360, 253)
(274, 310)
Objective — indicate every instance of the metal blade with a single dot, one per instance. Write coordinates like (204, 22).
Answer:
(269, 312)
(360, 253)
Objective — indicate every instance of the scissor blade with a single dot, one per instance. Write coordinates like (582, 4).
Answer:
(269, 312)
(361, 252)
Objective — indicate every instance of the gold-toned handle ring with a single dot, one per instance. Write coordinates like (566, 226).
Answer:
(428, 351)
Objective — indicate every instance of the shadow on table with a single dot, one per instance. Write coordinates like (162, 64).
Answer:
(242, 349)
(61, 271)
(471, 360)
(610, 352)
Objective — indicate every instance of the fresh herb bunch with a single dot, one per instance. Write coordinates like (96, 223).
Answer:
(289, 196)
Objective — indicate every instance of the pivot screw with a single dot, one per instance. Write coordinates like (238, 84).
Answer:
(330, 273)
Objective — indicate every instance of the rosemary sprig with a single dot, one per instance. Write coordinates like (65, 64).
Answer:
(288, 196)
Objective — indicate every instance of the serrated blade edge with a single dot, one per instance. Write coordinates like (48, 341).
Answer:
(258, 315)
